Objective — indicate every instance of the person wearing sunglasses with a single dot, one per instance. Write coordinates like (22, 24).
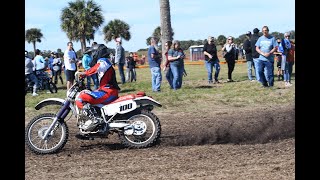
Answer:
(211, 60)
(286, 45)
(230, 56)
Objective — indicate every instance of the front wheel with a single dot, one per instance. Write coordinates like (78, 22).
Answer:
(145, 130)
(36, 129)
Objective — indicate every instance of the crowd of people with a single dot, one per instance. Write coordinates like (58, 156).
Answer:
(260, 53)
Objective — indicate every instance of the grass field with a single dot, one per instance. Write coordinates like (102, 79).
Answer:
(196, 94)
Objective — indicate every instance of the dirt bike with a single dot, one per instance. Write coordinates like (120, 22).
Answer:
(44, 80)
(130, 116)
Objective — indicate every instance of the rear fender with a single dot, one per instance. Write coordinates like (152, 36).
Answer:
(146, 100)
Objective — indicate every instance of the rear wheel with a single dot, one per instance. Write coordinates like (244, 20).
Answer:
(52, 87)
(145, 131)
(36, 129)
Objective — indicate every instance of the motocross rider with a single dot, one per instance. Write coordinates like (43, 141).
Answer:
(108, 87)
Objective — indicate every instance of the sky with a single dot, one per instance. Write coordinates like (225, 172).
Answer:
(190, 19)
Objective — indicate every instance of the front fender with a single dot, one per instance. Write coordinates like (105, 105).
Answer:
(50, 101)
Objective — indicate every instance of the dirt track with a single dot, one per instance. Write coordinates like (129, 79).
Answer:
(233, 144)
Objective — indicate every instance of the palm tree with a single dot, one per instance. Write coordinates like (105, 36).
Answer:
(157, 33)
(116, 28)
(34, 35)
(80, 20)
(165, 20)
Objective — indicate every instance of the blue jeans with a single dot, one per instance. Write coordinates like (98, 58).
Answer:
(181, 71)
(255, 63)
(169, 77)
(176, 67)
(95, 81)
(250, 64)
(209, 66)
(156, 78)
(33, 79)
(265, 70)
(121, 72)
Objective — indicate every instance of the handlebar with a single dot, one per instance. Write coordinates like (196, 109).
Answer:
(77, 74)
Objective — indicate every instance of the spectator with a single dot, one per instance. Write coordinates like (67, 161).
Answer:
(175, 57)
(86, 59)
(70, 60)
(290, 59)
(40, 67)
(255, 55)
(131, 64)
(57, 68)
(266, 46)
(166, 68)
(50, 64)
(248, 53)
(211, 60)
(230, 56)
(154, 61)
(278, 59)
(39, 62)
(286, 46)
(28, 71)
(120, 59)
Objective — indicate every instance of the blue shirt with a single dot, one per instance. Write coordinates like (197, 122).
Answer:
(266, 44)
(39, 62)
(50, 63)
(153, 62)
(86, 59)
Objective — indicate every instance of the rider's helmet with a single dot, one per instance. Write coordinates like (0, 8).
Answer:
(98, 51)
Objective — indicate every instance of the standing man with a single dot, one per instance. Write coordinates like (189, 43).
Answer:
(154, 64)
(211, 60)
(247, 48)
(70, 60)
(266, 46)
(255, 55)
(120, 59)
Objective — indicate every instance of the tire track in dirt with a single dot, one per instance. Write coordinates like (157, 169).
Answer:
(237, 127)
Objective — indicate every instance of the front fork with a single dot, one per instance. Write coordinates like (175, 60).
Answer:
(63, 112)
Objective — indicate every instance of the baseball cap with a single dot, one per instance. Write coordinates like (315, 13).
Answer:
(256, 30)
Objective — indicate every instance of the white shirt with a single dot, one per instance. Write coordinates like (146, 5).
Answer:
(67, 57)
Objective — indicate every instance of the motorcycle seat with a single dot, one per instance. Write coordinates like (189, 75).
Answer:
(129, 96)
